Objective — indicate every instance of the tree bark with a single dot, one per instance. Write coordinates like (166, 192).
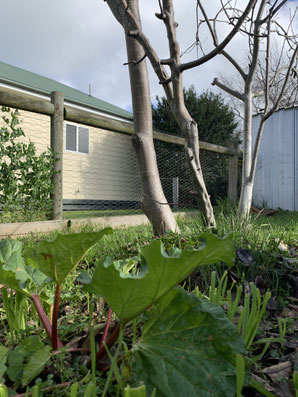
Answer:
(245, 198)
(124, 12)
(154, 201)
(190, 130)
(175, 97)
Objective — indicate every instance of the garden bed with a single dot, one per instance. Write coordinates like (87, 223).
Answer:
(266, 259)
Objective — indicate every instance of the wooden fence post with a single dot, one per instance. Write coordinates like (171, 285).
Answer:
(57, 99)
(233, 177)
(175, 190)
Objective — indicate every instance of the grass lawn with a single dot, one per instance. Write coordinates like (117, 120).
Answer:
(98, 214)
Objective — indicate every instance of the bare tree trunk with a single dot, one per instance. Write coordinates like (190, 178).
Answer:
(193, 160)
(175, 97)
(246, 187)
(190, 130)
(154, 201)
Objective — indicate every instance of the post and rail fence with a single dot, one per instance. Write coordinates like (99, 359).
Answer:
(60, 112)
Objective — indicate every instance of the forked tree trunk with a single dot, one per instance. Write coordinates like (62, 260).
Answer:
(127, 13)
(154, 201)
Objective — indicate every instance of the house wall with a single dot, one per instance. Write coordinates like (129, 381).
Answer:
(108, 172)
(276, 181)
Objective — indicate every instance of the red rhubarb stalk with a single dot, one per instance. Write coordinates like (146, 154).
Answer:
(105, 333)
(109, 343)
(44, 318)
(55, 317)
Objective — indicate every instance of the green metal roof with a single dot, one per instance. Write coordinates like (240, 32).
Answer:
(21, 78)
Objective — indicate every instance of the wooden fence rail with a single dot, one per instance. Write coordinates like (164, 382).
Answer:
(59, 112)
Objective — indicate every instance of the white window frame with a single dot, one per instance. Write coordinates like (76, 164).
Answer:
(77, 139)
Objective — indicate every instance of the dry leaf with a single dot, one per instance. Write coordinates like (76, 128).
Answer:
(265, 384)
(283, 246)
(281, 370)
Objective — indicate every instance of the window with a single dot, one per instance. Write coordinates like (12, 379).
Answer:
(77, 138)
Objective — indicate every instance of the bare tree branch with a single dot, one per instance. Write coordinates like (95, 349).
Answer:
(235, 64)
(227, 89)
(222, 45)
(273, 11)
(293, 59)
(256, 43)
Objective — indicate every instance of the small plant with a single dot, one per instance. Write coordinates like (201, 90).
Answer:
(250, 316)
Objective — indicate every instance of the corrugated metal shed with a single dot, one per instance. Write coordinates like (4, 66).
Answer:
(21, 78)
(276, 181)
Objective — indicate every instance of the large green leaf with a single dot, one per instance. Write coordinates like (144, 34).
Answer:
(35, 365)
(57, 258)
(20, 356)
(11, 255)
(188, 348)
(12, 260)
(130, 295)
(13, 272)
(12, 266)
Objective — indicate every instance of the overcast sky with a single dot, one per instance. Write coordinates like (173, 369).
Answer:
(78, 42)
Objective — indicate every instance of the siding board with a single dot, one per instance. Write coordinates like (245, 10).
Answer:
(277, 173)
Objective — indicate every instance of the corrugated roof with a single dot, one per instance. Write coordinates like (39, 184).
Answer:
(24, 79)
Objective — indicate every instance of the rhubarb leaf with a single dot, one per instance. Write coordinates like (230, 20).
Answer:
(128, 295)
(13, 273)
(57, 258)
(188, 348)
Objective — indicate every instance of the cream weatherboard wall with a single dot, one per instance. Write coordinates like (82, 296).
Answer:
(108, 172)
(36, 128)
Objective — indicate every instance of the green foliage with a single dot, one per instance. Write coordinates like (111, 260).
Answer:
(135, 392)
(11, 257)
(57, 258)
(188, 347)
(240, 374)
(3, 367)
(16, 309)
(13, 272)
(186, 343)
(216, 122)
(295, 381)
(36, 364)
(27, 360)
(26, 178)
(257, 234)
(252, 314)
(130, 295)
(3, 391)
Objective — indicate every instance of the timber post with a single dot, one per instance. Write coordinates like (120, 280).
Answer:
(233, 176)
(57, 99)
(175, 190)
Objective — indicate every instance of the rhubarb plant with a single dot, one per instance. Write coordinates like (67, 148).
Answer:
(50, 261)
(185, 343)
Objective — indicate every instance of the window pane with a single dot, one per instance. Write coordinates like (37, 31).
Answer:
(83, 140)
(71, 137)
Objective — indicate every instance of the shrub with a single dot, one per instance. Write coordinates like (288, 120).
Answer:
(26, 178)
